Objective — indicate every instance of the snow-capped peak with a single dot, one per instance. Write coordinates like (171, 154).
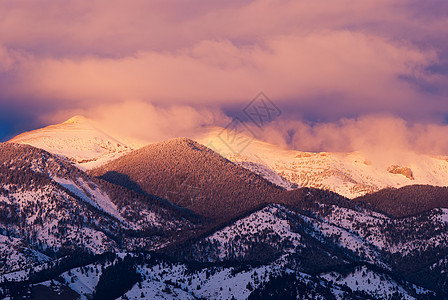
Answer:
(78, 139)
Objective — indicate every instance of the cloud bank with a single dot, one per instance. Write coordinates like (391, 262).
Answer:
(167, 68)
(380, 135)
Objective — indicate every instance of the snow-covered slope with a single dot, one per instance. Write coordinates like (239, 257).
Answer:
(327, 237)
(47, 205)
(380, 286)
(348, 174)
(322, 252)
(16, 254)
(78, 139)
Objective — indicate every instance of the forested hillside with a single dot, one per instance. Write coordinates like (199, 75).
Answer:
(406, 201)
(192, 176)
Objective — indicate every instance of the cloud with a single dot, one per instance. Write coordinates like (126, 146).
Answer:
(138, 121)
(114, 28)
(378, 136)
(7, 59)
(350, 66)
(320, 61)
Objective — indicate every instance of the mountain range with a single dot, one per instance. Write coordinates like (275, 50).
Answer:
(85, 216)
(349, 174)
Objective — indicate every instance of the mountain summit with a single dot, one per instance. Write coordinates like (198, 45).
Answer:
(189, 175)
(78, 139)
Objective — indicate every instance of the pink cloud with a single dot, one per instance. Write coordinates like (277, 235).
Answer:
(143, 122)
(353, 65)
(318, 60)
(380, 136)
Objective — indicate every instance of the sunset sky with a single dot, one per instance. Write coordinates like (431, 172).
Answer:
(344, 73)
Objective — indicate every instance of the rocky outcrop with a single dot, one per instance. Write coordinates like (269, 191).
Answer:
(405, 171)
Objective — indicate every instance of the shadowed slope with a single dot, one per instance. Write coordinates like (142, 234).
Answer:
(406, 201)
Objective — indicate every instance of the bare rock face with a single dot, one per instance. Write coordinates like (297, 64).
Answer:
(405, 171)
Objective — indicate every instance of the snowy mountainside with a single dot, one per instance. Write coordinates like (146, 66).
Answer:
(327, 253)
(323, 251)
(348, 174)
(16, 254)
(49, 206)
(276, 231)
(78, 139)
(363, 279)
(67, 232)
(331, 237)
(268, 174)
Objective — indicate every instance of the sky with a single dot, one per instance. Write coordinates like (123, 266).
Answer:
(344, 74)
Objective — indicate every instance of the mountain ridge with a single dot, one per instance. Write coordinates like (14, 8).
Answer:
(351, 174)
